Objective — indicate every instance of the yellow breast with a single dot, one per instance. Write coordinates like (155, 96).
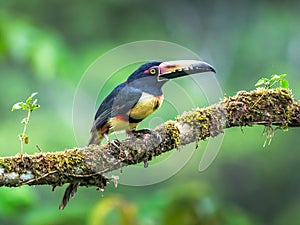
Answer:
(146, 105)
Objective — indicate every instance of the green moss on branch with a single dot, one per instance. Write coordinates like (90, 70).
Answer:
(87, 165)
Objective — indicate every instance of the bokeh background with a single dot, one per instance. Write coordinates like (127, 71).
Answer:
(46, 46)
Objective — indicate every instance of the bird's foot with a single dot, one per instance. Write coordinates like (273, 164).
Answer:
(115, 143)
(142, 132)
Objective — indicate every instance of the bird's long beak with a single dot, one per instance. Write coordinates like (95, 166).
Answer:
(179, 68)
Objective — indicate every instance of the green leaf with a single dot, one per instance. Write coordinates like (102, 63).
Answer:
(275, 77)
(24, 106)
(261, 81)
(284, 83)
(33, 94)
(20, 105)
(283, 75)
(35, 106)
(16, 106)
(28, 101)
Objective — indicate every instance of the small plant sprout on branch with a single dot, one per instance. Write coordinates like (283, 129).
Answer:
(270, 83)
(29, 105)
(275, 79)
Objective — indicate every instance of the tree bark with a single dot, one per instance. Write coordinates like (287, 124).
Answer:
(273, 107)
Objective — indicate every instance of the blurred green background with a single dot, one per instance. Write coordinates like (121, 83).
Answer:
(46, 46)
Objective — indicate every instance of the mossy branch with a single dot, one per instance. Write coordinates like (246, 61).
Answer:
(273, 107)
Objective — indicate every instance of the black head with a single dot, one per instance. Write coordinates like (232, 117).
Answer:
(144, 71)
(151, 76)
(163, 71)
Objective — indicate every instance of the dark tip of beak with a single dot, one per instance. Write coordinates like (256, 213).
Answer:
(212, 69)
(202, 67)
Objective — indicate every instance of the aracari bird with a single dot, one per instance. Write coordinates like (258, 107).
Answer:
(135, 99)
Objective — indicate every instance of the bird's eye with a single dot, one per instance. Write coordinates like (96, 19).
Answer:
(152, 71)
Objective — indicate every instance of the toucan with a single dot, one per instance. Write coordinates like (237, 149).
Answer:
(135, 99)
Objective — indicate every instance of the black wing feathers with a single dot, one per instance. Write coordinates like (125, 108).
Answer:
(118, 102)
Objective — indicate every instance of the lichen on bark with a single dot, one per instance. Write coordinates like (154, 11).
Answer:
(87, 165)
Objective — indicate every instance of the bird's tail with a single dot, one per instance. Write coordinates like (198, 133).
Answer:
(69, 192)
(72, 187)
(95, 138)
